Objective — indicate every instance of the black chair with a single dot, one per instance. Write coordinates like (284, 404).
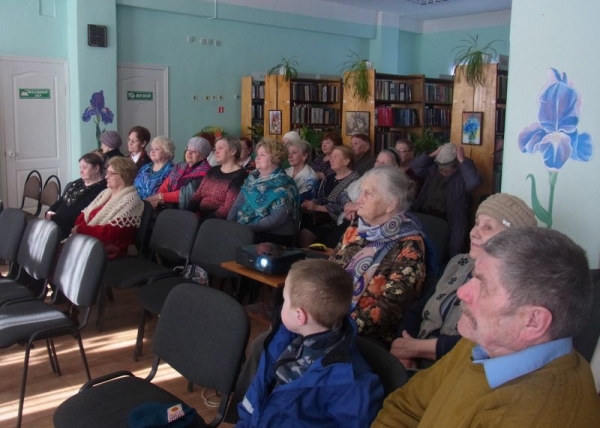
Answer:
(171, 241)
(35, 259)
(390, 371)
(1, 205)
(202, 333)
(12, 226)
(587, 339)
(32, 190)
(77, 276)
(216, 242)
(51, 191)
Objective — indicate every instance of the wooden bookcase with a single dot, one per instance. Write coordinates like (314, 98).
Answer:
(437, 113)
(252, 102)
(395, 107)
(490, 99)
(312, 103)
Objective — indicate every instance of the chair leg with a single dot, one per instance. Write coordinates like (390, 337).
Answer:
(139, 341)
(23, 384)
(82, 352)
(53, 357)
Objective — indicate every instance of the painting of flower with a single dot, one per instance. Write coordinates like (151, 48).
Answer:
(555, 136)
(99, 111)
(357, 122)
(471, 127)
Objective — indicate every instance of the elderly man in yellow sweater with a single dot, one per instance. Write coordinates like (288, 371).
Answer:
(531, 291)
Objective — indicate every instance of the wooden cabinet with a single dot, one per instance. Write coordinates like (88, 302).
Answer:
(437, 113)
(252, 102)
(489, 99)
(311, 103)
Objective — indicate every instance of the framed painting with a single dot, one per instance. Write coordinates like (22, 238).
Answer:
(472, 124)
(357, 122)
(275, 122)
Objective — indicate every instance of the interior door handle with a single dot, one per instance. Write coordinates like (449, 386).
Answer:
(11, 154)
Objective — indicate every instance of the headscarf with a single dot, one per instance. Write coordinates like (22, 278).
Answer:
(183, 173)
(380, 240)
(263, 195)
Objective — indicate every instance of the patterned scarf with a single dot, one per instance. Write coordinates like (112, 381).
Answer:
(123, 209)
(299, 355)
(380, 240)
(263, 195)
(148, 181)
(183, 173)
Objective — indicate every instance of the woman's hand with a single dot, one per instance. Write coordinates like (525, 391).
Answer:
(49, 215)
(309, 205)
(74, 230)
(460, 153)
(350, 210)
(407, 347)
(155, 200)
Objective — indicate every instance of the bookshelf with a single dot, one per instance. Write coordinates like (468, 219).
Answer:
(396, 108)
(490, 99)
(312, 103)
(252, 102)
(437, 112)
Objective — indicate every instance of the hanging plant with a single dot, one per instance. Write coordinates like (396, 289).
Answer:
(358, 81)
(472, 59)
(286, 68)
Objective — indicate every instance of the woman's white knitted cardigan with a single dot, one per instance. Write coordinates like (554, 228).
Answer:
(123, 209)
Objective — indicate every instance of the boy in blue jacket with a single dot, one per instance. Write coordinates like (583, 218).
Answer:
(310, 373)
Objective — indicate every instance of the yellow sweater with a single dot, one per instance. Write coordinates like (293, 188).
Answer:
(454, 393)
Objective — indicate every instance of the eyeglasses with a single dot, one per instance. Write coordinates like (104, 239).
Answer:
(404, 151)
(133, 141)
(191, 150)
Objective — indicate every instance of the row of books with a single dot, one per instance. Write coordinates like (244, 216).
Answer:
(438, 93)
(396, 116)
(258, 111)
(387, 140)
(315, 115)
(502, 87)
(389, 90)
(312, 92)
(500, 120)
(435, 116)
(258, 91)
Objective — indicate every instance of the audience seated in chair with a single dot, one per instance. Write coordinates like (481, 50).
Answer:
(320, 164)
(428, 331)
(310, 357)
(152, 175)
(304, 176)
(137, 140)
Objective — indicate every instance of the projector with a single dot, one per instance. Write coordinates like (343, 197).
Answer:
(268, 258)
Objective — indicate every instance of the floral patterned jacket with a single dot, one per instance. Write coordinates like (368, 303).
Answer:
(394, 286)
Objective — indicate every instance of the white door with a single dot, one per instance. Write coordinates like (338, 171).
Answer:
(34, 123)
(143, 98)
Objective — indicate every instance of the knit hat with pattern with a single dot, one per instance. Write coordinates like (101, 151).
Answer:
(201, 145)
(111, 139)
(508, 210)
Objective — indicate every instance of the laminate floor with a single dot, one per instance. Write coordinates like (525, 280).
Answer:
(108, 351)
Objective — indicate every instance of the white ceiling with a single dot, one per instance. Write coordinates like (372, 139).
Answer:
(417, 12)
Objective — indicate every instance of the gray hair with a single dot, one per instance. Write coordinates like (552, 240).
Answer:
(543, 267)
(233, 143)
(166, 144)
(394, 183)
(303, 145)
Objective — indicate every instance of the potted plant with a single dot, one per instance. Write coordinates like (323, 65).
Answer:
(427, 142)
(472, 57)
(286, 68)
(358, 81)
(257, 131)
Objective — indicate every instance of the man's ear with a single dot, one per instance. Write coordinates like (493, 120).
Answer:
(538, 320)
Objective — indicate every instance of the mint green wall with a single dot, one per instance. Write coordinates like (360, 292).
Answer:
(407, 58)
(434, 54)
(534, 50)
(156, 37)
(24, 32)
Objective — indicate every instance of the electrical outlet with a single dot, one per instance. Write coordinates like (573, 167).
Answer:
(207, 97)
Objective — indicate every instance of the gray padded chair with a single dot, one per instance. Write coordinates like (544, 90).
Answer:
(216, 242)
(51, 191)
(585, 342)
(390, 371)
(171, 241)
(77, 276)
(12, 226)
(32, 190)
(36, 258)
(207, 352)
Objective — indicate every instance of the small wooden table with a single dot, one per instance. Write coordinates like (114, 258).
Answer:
(275, 281)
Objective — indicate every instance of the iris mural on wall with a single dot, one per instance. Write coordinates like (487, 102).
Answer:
(555, 135)
(100, 111)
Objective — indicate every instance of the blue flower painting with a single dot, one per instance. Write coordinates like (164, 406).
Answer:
(100, 112)
(555, 135)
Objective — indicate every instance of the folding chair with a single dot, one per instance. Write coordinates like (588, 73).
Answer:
(12, 226)
(32, 190)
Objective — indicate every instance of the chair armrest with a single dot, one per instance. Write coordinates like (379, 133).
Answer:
(105, 378)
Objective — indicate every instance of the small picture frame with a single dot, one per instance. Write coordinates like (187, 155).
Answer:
(472, 125)
(275, 122)
(357, 122)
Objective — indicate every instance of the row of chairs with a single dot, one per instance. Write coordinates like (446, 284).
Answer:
(45, 195)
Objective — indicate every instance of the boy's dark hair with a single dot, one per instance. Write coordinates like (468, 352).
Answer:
(322, 288)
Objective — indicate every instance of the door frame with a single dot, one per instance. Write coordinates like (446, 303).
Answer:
(67, 118)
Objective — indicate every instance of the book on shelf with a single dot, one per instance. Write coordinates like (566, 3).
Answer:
(315, 92)
(396, 116)
(438, 116)
(500, 120)
(502, 87)
(387, 140)
(307, 114)
(438, 93)
(258, 91)
(389, 90)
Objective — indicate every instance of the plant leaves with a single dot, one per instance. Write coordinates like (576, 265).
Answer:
(540, 212)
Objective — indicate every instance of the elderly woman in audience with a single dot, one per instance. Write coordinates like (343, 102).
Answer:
(78, 194)
(137, 140)
(428, 331)
(221, 186)
(303, 175)
(387, 157)
(185, 177)
(321, 163)
(384, 251)
(115, 214)
(322, 214)
(246, 160)
(110, 144)
(152, 175)
(269, 201)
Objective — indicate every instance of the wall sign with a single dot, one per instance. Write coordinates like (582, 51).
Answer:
(34, 94)
(97, 36)
(140, 96)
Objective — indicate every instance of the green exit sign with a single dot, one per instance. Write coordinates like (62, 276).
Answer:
(34, 94)
(140, 96)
